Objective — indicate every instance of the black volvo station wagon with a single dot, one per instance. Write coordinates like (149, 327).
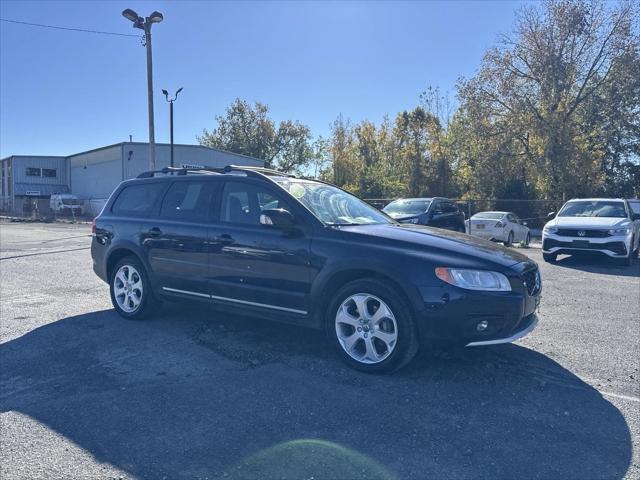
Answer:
(261, 242)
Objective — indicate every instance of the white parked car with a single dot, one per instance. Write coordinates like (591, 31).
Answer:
(500, 227)
(603, 225)
(65, 203)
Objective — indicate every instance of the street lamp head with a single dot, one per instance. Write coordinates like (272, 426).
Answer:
(179, 90)
(155, 17)
(130, 15)
(164, 92)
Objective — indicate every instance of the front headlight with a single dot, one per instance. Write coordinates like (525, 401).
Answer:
(549, 229)
(412, 220)
(620, 231)
(474, 279)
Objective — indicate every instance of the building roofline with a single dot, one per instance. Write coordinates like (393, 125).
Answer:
(165, 144)
(121, 144)
(31, 156)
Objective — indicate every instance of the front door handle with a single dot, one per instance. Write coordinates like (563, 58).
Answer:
(154, 232)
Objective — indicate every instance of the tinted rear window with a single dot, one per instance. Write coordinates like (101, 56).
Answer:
(137, 200)
(187, 201)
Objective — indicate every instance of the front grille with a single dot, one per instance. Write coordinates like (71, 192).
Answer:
(619, 248)
(572, 232)
(532, 281)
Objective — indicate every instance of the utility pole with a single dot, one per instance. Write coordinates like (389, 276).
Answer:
(145, 24)
(152, 132)
(166, 96)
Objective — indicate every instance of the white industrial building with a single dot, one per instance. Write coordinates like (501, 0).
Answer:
(29, 181)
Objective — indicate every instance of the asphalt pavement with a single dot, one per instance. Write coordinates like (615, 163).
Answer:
(194, 393)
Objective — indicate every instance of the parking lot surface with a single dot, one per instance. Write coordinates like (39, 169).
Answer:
(198, 394)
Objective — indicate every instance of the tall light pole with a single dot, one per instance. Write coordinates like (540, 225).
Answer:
(145, 24)
(175, 97)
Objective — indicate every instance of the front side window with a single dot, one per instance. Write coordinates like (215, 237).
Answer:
(331, 205)
(635, 207)
(595, 208)
(243, 203)
(187, 201)
(138, 200)
(449, 207)
(33, 172)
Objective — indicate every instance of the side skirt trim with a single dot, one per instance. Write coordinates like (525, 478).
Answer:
(235, 300)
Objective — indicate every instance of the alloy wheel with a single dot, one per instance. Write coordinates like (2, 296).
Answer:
(127, 288)
(366, 328)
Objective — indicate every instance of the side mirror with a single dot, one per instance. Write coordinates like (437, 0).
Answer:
(551, 214)
(277, 217)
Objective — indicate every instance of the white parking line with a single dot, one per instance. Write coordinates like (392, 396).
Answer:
(617, 395)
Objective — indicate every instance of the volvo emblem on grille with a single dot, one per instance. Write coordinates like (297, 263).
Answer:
(581, 233)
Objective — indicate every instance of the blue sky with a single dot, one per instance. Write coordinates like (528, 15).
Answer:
(63, 92)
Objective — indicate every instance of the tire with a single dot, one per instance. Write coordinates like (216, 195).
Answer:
(509, 241)
(391, 337)
(549, 257)
(626, 261)
(130, 289)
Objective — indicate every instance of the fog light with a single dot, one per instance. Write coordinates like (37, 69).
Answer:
(482, 326)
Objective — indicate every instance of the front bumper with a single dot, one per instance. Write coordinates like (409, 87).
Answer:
(528, 325)
(612, 246)
(454, 315)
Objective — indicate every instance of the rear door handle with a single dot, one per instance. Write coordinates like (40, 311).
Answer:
(154, 232)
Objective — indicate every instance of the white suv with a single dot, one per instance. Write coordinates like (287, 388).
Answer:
(604, 225)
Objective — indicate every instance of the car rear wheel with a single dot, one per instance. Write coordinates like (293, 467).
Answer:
(372, 327)
(509, 241)
(549, 257)
(130, 289)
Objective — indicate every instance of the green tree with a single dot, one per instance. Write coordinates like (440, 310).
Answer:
(248, 130)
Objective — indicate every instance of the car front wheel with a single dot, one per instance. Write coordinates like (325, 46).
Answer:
(372, 327)
(549, 257)
(131, 293)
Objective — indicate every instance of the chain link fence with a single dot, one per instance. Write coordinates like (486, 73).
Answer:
(39, 209)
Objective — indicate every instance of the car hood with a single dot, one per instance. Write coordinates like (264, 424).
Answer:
(587, 222)
(429, 239)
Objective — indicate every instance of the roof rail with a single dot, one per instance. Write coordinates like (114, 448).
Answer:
(253, 171)
(261, 170)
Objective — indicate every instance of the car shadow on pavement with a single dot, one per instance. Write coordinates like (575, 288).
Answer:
(199, 394)
(599, 264)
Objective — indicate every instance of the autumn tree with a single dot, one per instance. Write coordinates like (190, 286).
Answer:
(248, 130)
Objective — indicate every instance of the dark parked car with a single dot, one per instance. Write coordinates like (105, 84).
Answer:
(301, 251)
(435, 212)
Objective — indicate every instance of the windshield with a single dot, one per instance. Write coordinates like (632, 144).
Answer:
(488, 215)
(593, 209)
(407, 207)
(332, 205)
